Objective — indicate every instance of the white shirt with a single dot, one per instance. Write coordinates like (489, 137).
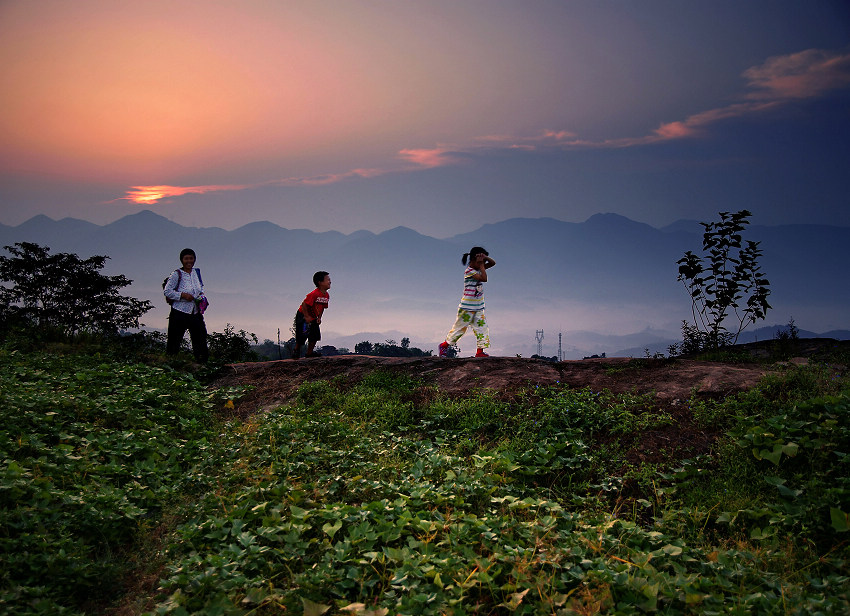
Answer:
(184, 283)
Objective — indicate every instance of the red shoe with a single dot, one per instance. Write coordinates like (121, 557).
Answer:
(444, 349)
(481, 353)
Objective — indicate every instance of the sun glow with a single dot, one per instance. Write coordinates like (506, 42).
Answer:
(146, 195)
(149, 195)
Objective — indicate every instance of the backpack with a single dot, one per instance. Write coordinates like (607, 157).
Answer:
(170, 301)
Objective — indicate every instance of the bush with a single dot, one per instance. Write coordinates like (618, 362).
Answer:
(231, 346)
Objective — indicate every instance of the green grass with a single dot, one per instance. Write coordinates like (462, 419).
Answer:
(386, 497)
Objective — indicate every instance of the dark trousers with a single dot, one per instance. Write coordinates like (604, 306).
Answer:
(306, 332)
(178, 323)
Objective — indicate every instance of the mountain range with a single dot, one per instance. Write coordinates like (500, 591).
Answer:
(606, 285)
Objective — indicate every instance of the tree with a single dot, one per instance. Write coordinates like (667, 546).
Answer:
(65, 292)
(363, 348)
(727, 274)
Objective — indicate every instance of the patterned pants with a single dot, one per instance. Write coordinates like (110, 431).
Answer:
(476, 320)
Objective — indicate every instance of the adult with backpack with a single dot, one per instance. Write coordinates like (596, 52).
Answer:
(184, 291)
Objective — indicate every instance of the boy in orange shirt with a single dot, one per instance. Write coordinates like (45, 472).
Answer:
(309, 316)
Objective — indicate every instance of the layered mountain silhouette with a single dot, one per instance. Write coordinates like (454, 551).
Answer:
(608, 284)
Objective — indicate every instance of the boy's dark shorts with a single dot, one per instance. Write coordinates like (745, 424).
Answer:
(312, 333)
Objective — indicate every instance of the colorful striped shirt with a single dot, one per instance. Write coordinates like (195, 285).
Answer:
(473, 291)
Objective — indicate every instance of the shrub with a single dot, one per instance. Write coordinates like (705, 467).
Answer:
(725, 281)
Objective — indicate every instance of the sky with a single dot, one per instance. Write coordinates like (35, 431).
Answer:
(441, 116)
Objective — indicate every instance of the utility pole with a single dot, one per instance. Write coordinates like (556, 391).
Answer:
(538, 335)
(560, 352)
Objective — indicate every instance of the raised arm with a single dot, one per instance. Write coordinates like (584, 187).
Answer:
(481, 274)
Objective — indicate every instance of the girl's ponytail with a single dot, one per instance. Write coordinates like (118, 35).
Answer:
(463, 259)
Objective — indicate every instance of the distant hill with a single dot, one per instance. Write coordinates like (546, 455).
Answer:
(760, 334)
(607, 284)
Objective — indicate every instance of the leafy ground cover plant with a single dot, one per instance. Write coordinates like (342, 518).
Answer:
(385, 497)
(93, 453)
(339, 514)
(801, 452)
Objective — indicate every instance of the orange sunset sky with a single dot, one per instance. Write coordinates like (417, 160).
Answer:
(440, 116)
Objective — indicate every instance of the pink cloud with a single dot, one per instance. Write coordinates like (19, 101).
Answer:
(529, 142)
(429, 158)
(692, 125)
(674, 130)
(807, 74)
(322, 180)
(559, 135)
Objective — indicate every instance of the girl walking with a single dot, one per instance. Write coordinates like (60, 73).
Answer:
(470, 312)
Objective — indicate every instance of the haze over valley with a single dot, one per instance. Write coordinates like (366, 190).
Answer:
(608, 285)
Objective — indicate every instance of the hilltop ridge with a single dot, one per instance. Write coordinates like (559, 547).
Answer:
(669, 380)
(274, 383)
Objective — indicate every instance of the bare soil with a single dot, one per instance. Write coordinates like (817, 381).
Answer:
(668, 383)
(670, 380)
(276, 382)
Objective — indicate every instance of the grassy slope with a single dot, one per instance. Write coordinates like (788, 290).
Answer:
(358, 499)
